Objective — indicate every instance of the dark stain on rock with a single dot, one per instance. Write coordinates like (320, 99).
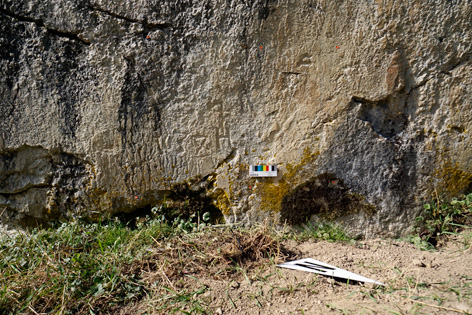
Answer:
(61, 72)
(185, 201)
(10, 51)
(7, 164)
(64, 79)
(468, 189)
(131, 219)
(264, 10)
(134, 104)
(386, 116)
(458, 129)
(70, 177)
(325, 196)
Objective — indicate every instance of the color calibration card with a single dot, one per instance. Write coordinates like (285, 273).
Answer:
(263, 170)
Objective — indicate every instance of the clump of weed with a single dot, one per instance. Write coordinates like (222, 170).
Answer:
(325, 231)
(252, 245)
(441, 218)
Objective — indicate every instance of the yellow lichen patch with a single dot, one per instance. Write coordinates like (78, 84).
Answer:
(451, 179)
(271, 192)
(221, 201)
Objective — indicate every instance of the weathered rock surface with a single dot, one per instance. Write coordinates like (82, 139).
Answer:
(104, 104)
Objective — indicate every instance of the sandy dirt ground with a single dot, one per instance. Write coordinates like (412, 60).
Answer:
(417, 282)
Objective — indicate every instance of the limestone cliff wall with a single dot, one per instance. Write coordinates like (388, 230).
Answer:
(365, 106)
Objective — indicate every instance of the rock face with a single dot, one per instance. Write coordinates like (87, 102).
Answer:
(105, 104)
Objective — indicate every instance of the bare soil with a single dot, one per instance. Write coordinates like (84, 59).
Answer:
(417, 282)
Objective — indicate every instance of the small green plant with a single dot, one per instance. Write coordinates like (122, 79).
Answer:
(192, 223)
(441, 218)
(419, 242)
(184, 301)
(324, 231)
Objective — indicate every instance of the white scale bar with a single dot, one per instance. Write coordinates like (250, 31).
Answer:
(257, 171)
(312, 265)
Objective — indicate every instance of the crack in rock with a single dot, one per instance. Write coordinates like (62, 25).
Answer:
(456, 65)
(146, 25)
(40, 23)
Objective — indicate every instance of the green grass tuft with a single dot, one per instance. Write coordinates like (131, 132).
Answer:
(441, 218)
(77, 267)
(325, 231)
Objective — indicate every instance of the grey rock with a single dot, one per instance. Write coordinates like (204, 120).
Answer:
(105, 104)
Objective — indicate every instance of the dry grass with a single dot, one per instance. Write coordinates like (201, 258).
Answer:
(83, 269)
(214, 252)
